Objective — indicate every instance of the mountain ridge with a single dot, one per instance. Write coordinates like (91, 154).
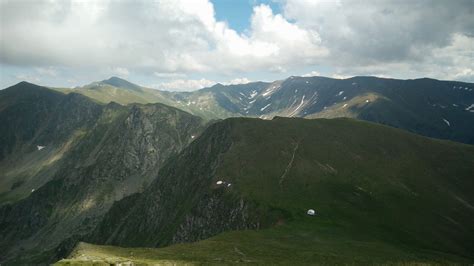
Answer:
(430, 107)
(91, 155)
(361, 176)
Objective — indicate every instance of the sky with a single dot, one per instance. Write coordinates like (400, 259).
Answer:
(189, 44)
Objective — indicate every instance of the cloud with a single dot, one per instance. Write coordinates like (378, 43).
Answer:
(366, 32)
(194, 84)
(167, 36)
(402, 39)
(237, 81)
(312, 74)
(48, 71)
(184, 85)
(176, 39)
(29, 78)
(120, 71)
(169, 75)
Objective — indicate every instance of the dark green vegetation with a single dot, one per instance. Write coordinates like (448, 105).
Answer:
(93, 155)
(143, 175)
(433, 108)
(381, 195)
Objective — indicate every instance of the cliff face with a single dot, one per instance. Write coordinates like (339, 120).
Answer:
(179, 206)
(100, 154)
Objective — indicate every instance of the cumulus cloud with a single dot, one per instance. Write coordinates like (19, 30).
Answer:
(120, 71)
(312, 74)
(175, 39)
(166, 35)
(29, 78)
(194, 84)
(169, 75)
(49, 71)
(184, 84)
(391, 37)
(237, 81)
(385, 30)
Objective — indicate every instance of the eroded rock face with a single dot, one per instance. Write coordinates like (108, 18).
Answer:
(118, 153)
(181, 205)
(214, 215)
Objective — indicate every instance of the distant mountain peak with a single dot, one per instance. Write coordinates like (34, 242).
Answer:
(121, 83)
(115, 79)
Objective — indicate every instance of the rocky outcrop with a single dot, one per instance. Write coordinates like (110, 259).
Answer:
(118, 153)
(181, 205)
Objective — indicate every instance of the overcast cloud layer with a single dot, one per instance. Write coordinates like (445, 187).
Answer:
(179, 45)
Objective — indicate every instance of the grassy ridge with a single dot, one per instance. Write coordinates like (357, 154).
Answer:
(291, 244)
(382, 195)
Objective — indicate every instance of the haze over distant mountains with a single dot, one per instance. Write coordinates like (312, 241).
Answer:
(115, 163)
(440, 109)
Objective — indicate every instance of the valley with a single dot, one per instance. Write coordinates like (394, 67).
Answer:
(89, 179)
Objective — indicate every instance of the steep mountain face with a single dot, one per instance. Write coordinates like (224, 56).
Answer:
(37, 127)
(433, 108)
(206, 103)
(179, 206)
(99, 154)
(440, 109)
(365, 180)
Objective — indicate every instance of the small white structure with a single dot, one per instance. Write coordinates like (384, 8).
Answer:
(311, 212)
(40, 147)
(228, 185)
(33, 190)
(192, 136)
(219, 182)
(367, 101)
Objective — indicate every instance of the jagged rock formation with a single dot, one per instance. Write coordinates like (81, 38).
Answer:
(99, 153)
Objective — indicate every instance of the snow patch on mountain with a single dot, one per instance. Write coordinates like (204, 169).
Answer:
(447, 122)
(270, 90)
(253, 94)
(298, 107)
(265, 107)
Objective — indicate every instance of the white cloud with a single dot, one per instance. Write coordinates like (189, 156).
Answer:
(175, 39)
(184, 85)
(312, 74)
(169, 75)
(48, 71)
(194, 84)
(29, 78)
(237, 81)
(120, 71)
(167, 36)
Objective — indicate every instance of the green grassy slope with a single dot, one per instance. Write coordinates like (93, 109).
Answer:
(94, 155)
(203, 103)
(291, 244)
(433, 108)
(381, 195)
(32, 116)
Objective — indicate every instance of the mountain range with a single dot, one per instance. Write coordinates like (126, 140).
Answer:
(433, 108)
(235, 170)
